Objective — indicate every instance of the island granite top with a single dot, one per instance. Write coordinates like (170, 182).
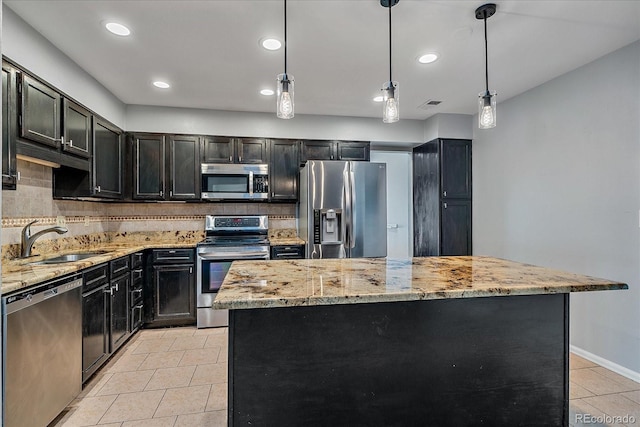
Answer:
(307, 282)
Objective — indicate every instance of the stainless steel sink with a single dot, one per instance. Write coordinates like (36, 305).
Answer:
(68, 258)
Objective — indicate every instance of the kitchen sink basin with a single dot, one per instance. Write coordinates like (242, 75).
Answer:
(68, 258)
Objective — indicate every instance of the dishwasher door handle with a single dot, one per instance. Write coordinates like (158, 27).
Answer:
(26, 299)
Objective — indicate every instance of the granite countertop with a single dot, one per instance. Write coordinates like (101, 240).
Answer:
(19, 274)
(286, 283)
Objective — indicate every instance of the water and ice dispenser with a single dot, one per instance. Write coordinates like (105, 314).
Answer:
(327, 226)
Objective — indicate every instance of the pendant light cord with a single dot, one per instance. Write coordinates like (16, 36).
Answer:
(390, 79)
(486, 54)
(285, 38)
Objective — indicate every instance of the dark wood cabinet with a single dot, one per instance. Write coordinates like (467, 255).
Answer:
(9, 170)
(170, 296)
(318, 150)
(217, 149)
(40, 112)
(76, 134)
(442, 198)
(107, 160)
(335, 150)
(455, 171)
(162, 162)
(148, 166)
(223, 149)
(455, 227)
(184, 167)
(251, 150)
(119, 322)
(95, 319)
(284, 171)
(353, 150)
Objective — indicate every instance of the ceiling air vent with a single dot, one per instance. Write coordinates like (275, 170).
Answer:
(429, 104)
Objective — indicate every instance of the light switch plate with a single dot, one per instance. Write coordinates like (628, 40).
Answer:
(61, 221)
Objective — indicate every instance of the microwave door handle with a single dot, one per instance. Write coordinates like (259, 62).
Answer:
(250, 183)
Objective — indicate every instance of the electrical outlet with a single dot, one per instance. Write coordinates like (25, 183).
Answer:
(61, 221)
(86, 221)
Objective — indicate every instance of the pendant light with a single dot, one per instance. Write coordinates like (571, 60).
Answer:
(390, 91)
(285, 105)
(486, 99)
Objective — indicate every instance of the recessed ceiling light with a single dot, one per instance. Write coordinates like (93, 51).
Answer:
(428, 58)
(266, 92)
(118, 29)
(161, 85)
(378, 98)
(271, 44)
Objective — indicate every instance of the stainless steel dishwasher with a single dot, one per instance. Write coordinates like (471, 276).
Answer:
(42, 344)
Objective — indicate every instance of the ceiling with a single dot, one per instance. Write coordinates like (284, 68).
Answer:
(337, 50)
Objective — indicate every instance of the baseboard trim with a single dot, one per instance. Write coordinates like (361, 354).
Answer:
(618, 369)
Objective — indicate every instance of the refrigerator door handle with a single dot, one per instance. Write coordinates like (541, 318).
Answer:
(352, 219)
(347, 209)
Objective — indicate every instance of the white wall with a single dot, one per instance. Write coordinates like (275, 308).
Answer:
(444, 125)
(557, 183)
(212, 122)
(29, 49)
(399, 201)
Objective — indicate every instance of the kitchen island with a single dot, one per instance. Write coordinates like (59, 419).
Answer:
(425, 341)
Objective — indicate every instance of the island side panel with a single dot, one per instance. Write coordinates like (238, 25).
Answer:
(476, 361)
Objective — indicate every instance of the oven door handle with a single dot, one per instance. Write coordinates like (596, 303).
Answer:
(234, 256)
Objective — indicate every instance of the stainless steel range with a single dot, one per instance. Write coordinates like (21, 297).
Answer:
(228, 239)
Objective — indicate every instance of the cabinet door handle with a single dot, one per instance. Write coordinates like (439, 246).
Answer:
(230, 159)
(445, 206)
(190, 270)
(170, 193)
(240, 159)
(444, 194)
(97, 189)
(108, 291)
(161, 193)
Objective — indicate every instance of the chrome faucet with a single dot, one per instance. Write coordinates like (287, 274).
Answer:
(28, 240)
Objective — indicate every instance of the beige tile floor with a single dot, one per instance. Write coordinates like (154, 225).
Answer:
(178, 377)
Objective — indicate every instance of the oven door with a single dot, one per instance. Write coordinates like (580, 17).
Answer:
(213, 264)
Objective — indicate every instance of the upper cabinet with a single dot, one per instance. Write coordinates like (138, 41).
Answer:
(284, 170)
(108, 144)
(334, 150)
(48, 126)
(147, 155)
(76, 135)
(223, 149)
(184, 167)
(455, 170)
(9, 171)
(165, 167)
(40, 112)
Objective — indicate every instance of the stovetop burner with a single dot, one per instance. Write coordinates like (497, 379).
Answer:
(236, 230)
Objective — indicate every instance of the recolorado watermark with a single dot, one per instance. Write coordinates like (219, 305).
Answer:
(605, 419)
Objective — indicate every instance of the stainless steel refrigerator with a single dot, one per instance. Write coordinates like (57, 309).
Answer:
(343, 209)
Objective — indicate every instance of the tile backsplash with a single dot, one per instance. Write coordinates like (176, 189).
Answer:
(33, 199)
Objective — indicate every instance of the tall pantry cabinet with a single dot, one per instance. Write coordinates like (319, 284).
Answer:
(442, 198)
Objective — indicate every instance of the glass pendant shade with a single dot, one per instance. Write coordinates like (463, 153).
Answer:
(390, 102)
(285, 102)
(487, 110)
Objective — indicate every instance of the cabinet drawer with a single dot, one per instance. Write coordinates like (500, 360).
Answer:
(95, 277)
(287, 252)
(171, 256)
(119, 266)
(136, 259)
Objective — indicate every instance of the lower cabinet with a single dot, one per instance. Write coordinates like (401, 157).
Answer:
(106, 312)
(170, 294)
(95, 319)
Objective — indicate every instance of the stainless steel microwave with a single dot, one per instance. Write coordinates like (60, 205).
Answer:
(222, 181)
